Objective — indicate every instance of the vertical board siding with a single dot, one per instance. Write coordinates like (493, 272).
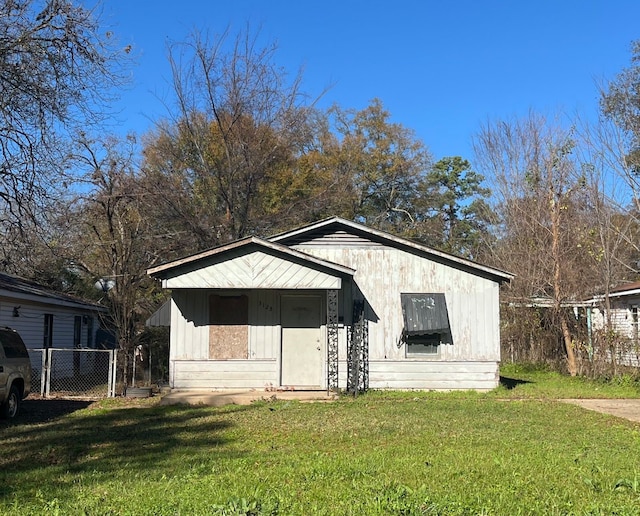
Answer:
(264, 324)
(383, 273)
(189, 325)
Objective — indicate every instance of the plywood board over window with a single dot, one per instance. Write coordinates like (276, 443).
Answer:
(228, 327)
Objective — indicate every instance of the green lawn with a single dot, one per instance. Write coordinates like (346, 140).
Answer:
(512, 451)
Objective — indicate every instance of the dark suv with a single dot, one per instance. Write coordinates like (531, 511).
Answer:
(15, 372)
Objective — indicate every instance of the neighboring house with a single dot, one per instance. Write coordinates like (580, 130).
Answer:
(625, 302)
(47, 319)
(332, 305)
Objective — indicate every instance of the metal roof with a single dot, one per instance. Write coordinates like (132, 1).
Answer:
(20, 288)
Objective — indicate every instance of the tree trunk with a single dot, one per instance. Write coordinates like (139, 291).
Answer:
(572, 364)
(556, 215)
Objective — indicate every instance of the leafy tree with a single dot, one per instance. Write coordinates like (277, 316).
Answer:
(455, 212)
(384, 163)
(620, 102)
(317, 184)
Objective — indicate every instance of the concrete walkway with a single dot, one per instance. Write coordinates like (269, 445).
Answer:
(240, 397)
(625, 408)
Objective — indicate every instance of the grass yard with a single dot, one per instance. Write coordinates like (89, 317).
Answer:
(513, 451)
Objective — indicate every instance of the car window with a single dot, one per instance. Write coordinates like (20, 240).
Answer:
(13, 345)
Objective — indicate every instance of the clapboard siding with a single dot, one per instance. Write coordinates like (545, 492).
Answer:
(622, 321)
(336, 238)
(433, 375)
(30, 323)
(224, 374)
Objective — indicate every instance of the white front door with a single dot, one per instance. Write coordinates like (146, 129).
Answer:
(303, 346)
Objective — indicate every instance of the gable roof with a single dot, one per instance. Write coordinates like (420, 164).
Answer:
(336, 224)
(250, 263)
(25, 290)
(627, 289)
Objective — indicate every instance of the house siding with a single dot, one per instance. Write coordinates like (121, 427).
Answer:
(30, 323)
(376, 269)
(622, 322)
(190, 341)
(224, 374)
(384, 273)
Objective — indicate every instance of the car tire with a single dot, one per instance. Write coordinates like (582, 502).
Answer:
(11, 407)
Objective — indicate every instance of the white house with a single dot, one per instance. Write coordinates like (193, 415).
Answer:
(47, 319)
(624, 301)
(332, 305)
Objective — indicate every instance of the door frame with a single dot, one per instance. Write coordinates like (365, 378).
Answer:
(323, 337)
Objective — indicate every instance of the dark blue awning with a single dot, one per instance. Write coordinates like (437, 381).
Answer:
(424, 314)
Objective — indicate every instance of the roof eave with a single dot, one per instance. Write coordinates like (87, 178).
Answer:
(157, 272)
(500, 276)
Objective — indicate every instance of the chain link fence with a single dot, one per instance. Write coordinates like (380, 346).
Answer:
(73, 372)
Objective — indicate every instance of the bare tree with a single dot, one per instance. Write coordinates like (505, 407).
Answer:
(57, 73)
(540, 191)
(114, 240)
(236, 123)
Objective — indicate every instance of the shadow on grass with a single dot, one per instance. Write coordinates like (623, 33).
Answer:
(512, 383)
(145, 440)
(40, 410)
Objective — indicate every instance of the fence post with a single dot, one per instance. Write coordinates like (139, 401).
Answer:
(48, 381)
(110, 379)
(43, 370)
(113, 356)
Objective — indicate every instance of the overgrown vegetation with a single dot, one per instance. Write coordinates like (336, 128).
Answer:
(382, 453)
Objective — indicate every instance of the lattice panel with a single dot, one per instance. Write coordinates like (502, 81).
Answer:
(332, 339)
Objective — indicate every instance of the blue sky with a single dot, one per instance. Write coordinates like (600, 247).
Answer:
(441, 68)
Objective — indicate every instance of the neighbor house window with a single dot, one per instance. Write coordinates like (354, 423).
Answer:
(89, 331)
(77, 331)
(48, 331)
(426, 323)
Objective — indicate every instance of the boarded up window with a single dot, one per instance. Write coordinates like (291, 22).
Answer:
(228, 327)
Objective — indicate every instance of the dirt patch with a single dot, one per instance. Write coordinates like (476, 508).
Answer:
(627, 409)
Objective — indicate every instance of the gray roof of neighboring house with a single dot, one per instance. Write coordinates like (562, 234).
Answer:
(20, 288)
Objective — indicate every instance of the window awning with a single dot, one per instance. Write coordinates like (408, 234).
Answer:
(424, 314)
